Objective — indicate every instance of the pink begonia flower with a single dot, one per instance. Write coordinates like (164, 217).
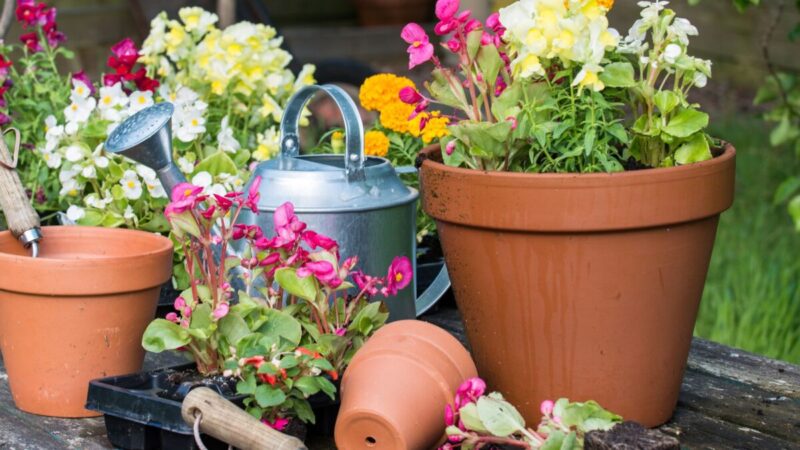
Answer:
(446, 13)
(400, 273)
(241, 230)
(450, 147)
(223, 203)
(322, 271)
(316, 240)
(347, 266)
(420, 49)
(366, 282)
(208, 213)
(449, 416)
(184, 197)
(253, 194)
(221, 311)
(340, 331)
(499, 86)
(473, 24)
(278, 424)
(179, 303)
(271, 259)
(513, 121)
(454, 45)
(410, 96)
(469, 391)
(126, 51)
(547, 407)
(172, 317)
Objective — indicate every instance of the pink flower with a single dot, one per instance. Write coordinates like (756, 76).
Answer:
(499, 86)
(446, 13)
(454, 45)
(450, 147)
(316, 240)
(253, 194)
(340, 331)
(410, 96)
(287, 226)
(54, 37)
(547, 407)
(399, 276)
(449, 416)
(179, 303)
(347, 266)
(4, 120)
(469, 391)
(221, 311)
(83, 78)
(279, 423)
(126, 52)
(513, 121)
(365, 282)
(29, 13)
(322, 271)
(420, 49)
(223, 203)
(31, 41)
(184, 197)
(269, 260)
(472, 25)
(241, 230)
(172, 317)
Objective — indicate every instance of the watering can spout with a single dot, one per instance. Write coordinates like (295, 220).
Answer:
(146, 137)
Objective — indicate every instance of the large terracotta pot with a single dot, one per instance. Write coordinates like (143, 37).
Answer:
(77, 312)
(580, 285)
(396, 388)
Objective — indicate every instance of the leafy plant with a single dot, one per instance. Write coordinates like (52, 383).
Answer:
(296, 320)
(477, 420)
(549, 87)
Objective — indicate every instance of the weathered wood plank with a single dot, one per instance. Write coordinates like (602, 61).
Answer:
(697, 431)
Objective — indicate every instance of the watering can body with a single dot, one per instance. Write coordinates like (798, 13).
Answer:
(357, 200)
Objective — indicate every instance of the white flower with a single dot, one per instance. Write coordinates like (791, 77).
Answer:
(139, 100)
(181, 96)
(94, 201)
(52, 159)
(131, 186)
(185, 165)
(112, 96)
(79, 91)
(74, 153)
(190, 125)
(155, 188)
(216, 188)
(197, 19)
(71, 128)
(79, 110)
(70, 188)
(700, 79)
(68, 174)
(89, 172)
(145, 172)
(225, 140)
(100, 161)
(672, 52)
(681, 28)
(128, 214)
(75, 213)
(202, 179)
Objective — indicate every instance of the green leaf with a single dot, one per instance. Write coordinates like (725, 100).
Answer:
(91, 218)
(794, 211)
(162, 335)
(282, 325)
(307, 385)
(588, 142)
(618, 131)
(321, 363)
(499, 416)
(784, 132)
(618, 75)
(305, 288)
(267, 396)
(469, 415)
(686, 123)
(666, 101)
(694, 150)
(288, 361)
(217, 163)
(788, 187)
(247, 385)
(474, 42)
(233, 327)
(490, 63)
(554, 440)
(303, 410)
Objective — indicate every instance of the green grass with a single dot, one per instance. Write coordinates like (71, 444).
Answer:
(752, 295)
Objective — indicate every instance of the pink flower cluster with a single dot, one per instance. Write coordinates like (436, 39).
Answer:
(5, 83)
(32, 14)
(469, 392)
(123, 62)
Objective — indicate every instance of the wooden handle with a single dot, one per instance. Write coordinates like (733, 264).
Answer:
(232, 425)
(20, 215)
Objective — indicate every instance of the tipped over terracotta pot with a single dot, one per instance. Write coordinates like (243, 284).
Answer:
(77, 312)
(583, 286)
(396, 388)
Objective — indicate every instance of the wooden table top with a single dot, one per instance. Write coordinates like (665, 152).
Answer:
(730, 399)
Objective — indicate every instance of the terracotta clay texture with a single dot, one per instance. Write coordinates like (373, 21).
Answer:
(580, 285)
(395, 390)
(77, 312)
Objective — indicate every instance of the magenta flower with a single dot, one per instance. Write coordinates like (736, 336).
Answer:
(83, 78)
(547, 407)
(347, 266)
(322, 271)
(209, 212)
(253, 194)
(449, 416)
(172, 317)
(450, 147)
(399, 276)
(454, 45)
(224, 203)
(287, 226)
(469, 391)
(340, 331)
(241, 230)
(271, 259)
(54, 37)
(29, 13)
(446, 13)
(366, 282)
(278, 423)
(410, 96)
(31, 41)
(221, 311)
(316, 240)
(420, 49)
(126, 52)
(184, 197)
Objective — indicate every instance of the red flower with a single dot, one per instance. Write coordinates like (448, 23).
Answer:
(308, 352)
(147, 84)
(125, 52)
(31, 40)
(4, 65)
(29, 13)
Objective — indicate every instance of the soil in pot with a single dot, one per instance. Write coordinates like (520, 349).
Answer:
(77, 312)
(583, 286)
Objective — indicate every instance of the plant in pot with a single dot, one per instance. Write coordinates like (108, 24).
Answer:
(577, 197)
(290, 333)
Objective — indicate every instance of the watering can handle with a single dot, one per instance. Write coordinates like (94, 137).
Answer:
(353, 128)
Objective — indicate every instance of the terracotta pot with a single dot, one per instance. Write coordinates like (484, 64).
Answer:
(395, 390)
(393, 12)
(580, 285)
(77, 312)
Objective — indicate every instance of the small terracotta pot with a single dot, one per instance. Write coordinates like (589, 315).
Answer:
(77, 312)
(396, 388)
(580, 285)
(393, 12)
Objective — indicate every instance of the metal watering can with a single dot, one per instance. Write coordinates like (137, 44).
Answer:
(356, 199)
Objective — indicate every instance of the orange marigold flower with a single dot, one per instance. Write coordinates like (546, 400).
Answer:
(376, 143)
(435, 127)
(395, 117)
(607, 4)
(381, 90)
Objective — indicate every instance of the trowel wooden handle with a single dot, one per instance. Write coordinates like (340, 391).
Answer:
(232, 425)
(20, 215)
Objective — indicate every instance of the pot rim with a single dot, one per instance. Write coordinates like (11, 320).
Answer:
(633, 176)
(576, 202)
(143, 266)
